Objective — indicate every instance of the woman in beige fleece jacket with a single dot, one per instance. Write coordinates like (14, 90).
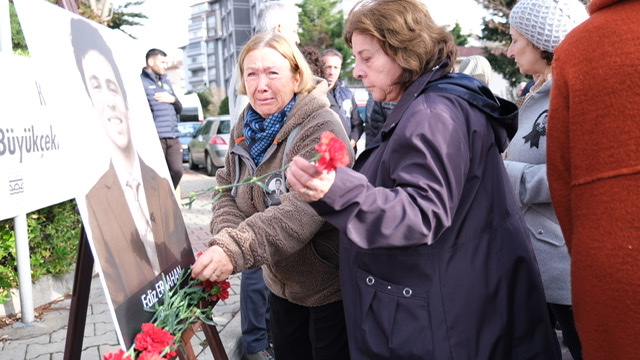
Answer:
(288, 111)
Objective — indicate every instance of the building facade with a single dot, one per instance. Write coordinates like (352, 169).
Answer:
(218, 30)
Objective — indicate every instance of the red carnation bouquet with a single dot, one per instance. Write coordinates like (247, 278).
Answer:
(332, 154)
(180, 308)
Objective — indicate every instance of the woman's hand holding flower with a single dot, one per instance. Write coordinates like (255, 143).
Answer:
(312, 180)
(213, 264)
(307, 180)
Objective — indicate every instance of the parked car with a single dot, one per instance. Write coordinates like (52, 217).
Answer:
(187, 129)
(210, 143)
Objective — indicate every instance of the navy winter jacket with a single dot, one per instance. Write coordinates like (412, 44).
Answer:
(165, 115)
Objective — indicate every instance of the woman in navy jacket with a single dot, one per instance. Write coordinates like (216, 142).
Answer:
(435, 260)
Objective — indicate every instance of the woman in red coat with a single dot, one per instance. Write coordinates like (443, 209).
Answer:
(594, 174)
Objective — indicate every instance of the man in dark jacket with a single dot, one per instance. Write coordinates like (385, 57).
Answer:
(341, 99)
(165, 108)
(377, 114)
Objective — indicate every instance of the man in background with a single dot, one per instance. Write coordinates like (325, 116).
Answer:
(165, 108)
(341, 99)
(280, 17)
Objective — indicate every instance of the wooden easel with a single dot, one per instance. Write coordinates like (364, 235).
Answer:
(80, 303)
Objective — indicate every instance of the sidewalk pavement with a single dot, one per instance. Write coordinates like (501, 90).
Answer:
(44, 339)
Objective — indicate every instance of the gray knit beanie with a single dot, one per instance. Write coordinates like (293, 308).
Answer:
(478, 67)
(545, 23)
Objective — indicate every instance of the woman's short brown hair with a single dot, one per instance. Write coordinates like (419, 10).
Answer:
(288, 50)
(406, 32)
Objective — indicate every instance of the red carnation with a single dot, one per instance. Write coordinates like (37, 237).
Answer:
(217, 289)
(116, 355)
(223, 291)
(151, 356)
(152, 339)
(333, 152)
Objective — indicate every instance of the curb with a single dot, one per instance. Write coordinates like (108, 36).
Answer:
(48, 288)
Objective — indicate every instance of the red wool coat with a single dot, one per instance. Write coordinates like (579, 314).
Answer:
(594, 174)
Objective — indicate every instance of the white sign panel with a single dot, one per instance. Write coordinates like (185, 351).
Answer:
(37, 145)
(124, 192)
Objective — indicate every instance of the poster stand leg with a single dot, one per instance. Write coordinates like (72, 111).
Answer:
(79, 299)
(215, 344)
(213, 339)
(80, 304)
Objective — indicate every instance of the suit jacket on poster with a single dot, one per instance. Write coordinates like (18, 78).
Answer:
(125, 265)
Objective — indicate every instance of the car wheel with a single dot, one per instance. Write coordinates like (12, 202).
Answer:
(211, 169)
(192, 165)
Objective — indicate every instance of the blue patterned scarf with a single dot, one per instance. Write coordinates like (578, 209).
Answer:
(259, 133)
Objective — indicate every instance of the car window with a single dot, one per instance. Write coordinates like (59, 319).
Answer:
(224, 127)
(204, 129)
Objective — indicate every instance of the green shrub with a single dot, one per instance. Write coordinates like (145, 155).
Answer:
(54, 234)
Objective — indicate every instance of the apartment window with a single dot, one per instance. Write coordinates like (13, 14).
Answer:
(196, 9)
(197, 74)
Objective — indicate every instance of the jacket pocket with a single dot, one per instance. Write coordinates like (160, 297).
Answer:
(394, 320)
(543, 227)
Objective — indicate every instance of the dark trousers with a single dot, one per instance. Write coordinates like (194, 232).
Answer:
(254, 311)
(564, 316)
(314, 333)
(173, 155)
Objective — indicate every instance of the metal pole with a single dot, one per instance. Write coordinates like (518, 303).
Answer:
(5, 27)
(23, 258)
(24, 268)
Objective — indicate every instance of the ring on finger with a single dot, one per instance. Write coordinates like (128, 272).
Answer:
(306, 191)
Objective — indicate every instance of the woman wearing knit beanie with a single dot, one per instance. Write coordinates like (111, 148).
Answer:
(536, 28)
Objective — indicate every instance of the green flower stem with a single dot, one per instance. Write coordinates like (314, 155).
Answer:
(249, 180)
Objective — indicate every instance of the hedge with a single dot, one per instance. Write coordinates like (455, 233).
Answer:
(53, 234)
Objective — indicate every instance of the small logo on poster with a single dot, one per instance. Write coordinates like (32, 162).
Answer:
(16, 185)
